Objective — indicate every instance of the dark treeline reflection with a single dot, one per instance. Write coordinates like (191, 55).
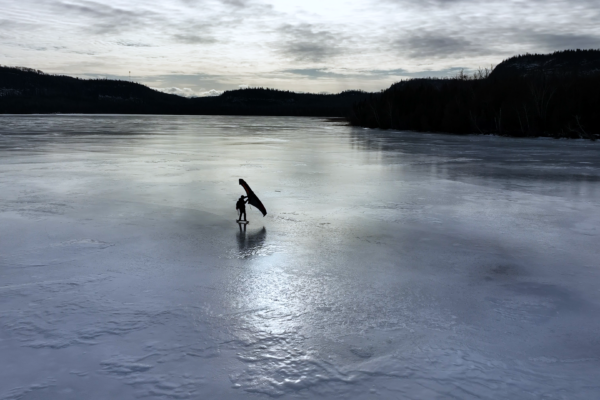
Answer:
(555, 95)
(26, 91)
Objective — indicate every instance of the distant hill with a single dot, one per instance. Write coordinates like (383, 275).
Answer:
(278, 102)
(583, 62)
(24, 90)
(556, 95)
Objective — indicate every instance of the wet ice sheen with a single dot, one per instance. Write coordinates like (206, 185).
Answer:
(390, 265)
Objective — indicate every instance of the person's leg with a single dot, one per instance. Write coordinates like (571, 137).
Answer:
(244, 214)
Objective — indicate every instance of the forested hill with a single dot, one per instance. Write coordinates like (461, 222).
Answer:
(24, 90)
(555, 95)
(278, 102)
(568, 62)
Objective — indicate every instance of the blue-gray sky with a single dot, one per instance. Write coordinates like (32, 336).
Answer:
(194, 47)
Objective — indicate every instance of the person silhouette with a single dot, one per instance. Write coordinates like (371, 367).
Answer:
(241, 206)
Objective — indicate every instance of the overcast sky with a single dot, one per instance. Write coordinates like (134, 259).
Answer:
(202, 46)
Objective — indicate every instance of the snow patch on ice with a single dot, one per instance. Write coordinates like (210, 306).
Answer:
(133, 371)
(96, 319)
(121, 365)
(87, 243)
(20, 392)
(589, 228)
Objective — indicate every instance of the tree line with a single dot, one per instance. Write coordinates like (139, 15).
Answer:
(555, 95)
(26, 91)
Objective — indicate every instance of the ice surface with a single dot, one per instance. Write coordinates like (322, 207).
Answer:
(390, 265)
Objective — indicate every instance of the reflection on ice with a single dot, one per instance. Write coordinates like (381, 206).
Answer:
(251, 243)
(269, 330)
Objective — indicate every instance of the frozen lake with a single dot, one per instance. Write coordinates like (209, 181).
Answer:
(390, 264)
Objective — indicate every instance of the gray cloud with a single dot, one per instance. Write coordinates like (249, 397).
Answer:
(437, 45)
(190, 38)
(476, 28)
(9, 27)
(236, 3)
(211, 23)
(8, 24)
(401, 72)
(309, 43)
(377, 74)
(430, 3)
(321, 73)
(197, 28)
(555, 41)
(132, 44)
(106, 19)
(313, 73)
(229, 3)
(477, 3)
(244, 8)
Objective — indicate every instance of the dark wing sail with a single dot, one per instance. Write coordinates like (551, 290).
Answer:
(252, 198)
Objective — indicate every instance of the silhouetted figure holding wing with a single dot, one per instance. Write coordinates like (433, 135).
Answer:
(253, 198)
(241, 206)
